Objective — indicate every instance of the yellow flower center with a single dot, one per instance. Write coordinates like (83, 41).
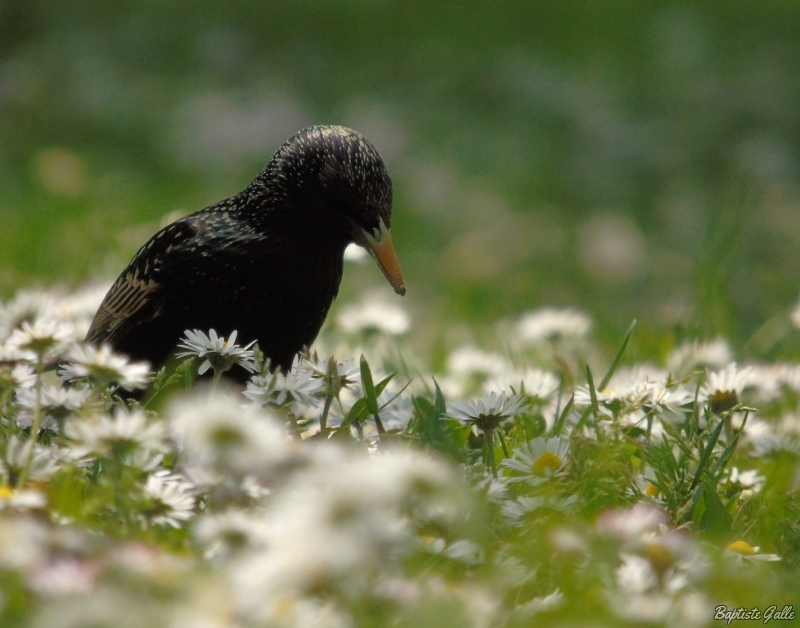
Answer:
(742, 547)
(6, 492)
(651, 490)
(548, 460)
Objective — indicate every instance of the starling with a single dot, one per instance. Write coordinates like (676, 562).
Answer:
(266, 262)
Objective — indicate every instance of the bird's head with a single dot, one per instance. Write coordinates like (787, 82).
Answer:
(333, 177)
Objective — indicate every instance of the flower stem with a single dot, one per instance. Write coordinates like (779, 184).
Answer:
(37, 419)
(489, 435)
(323, 420)
(215, 380)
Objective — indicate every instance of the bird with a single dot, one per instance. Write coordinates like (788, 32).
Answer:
(266, 262)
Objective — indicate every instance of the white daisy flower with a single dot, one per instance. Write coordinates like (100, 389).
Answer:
(104, 368)
(517, 510)
(794, 315)
(168, 501)
(723, 388)
(43, 340)
(44, 461)
(280, 388)
(539, 459)
(374, 313)
(711, 354)
(742, 550)
(122, 436)
(537, 384)
(219, 432)
(673, 403)
(79, 307)
(618, 401)
(327, 526)
(13, 499)
(57, 402)
(541, 604)
(334, 375)
(17, 376)
(355, 253)
(25, 306)
(750, 481)
(627, 523)
(487, 412)
(466, 361)
(552, 325)
(231, 532)
(219, 353)
(635, 574)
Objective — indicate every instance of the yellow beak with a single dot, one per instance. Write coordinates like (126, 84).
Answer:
(379, 245)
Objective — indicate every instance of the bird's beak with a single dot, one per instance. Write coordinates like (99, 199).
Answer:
(379, 245)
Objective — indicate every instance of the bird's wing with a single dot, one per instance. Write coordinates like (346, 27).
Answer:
(136, 295)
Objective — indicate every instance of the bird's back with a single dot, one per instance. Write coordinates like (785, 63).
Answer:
(212, 270)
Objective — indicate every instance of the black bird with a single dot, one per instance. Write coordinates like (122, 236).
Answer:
(266, 262)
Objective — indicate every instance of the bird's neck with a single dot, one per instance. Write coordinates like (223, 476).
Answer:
(272, 205)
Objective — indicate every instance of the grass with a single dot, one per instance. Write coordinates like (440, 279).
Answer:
(351, 492)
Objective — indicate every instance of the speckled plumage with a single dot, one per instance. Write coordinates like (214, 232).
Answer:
(266, 262)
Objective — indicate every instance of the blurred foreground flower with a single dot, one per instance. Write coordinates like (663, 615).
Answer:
(168, 501)
(104, 368)
(217, 431)
(42, 340)
(127, 437)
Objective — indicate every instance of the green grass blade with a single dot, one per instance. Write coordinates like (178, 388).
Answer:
(562, 417)
(615, 363)
(712, 441)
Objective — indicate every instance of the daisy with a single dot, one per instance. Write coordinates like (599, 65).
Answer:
(219, 432)
(355, 253)
(618, 401)
(627, 523)
(552, 325)
(17, 376)
(119, 437)
(334, 375)
(168, 501)
(517, 510)
(231, 532)
(711, 354)
(41, 463)
(467, 361)
(487, 412)
(794, 316)
(13, 499)
(742, 550)
(57, 402)
(374, 314)
(722, 388)
(749, 482)
(25, 306)
(541, 604)
(539, 459)
(104, 368)
(281, 388)
(536, 384)
(219, 354)
(45, 339)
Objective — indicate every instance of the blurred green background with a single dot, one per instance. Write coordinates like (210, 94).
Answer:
(632, 159)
